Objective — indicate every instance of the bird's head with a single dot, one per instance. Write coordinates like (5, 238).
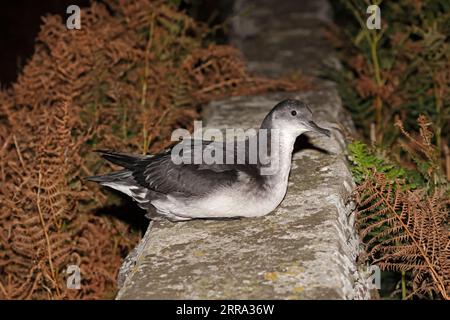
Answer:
(292, 116)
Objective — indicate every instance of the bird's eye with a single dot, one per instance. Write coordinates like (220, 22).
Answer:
(294, 113)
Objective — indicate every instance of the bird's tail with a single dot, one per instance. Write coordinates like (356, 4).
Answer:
(123, 180)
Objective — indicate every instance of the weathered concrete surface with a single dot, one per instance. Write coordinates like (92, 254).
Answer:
(307, 248)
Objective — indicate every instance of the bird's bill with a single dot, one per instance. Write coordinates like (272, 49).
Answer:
(315, 128)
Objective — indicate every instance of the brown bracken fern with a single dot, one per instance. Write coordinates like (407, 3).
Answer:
(134, 71)
(404, 225)
(405, 230)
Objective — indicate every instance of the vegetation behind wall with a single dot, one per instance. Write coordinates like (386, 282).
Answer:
(395, 81)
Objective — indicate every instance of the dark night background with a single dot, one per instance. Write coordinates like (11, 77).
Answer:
(19, 26)
(20, 22)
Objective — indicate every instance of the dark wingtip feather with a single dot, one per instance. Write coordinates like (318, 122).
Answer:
(103, 151)
(96, 178)
(122, 159)
(110, 177)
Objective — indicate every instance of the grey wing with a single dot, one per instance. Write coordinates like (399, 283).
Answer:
(160, 173)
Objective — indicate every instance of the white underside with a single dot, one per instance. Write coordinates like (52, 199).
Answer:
(236, 201)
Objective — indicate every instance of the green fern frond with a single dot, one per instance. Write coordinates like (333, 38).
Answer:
(365, 162)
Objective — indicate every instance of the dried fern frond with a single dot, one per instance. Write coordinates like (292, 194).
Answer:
(422, 151)
(406, 230)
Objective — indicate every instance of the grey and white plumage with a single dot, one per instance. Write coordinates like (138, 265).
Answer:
(187, 191)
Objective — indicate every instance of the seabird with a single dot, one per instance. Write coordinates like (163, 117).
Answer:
(190, 190)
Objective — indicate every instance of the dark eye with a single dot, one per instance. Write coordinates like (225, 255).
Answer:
(294, 113)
